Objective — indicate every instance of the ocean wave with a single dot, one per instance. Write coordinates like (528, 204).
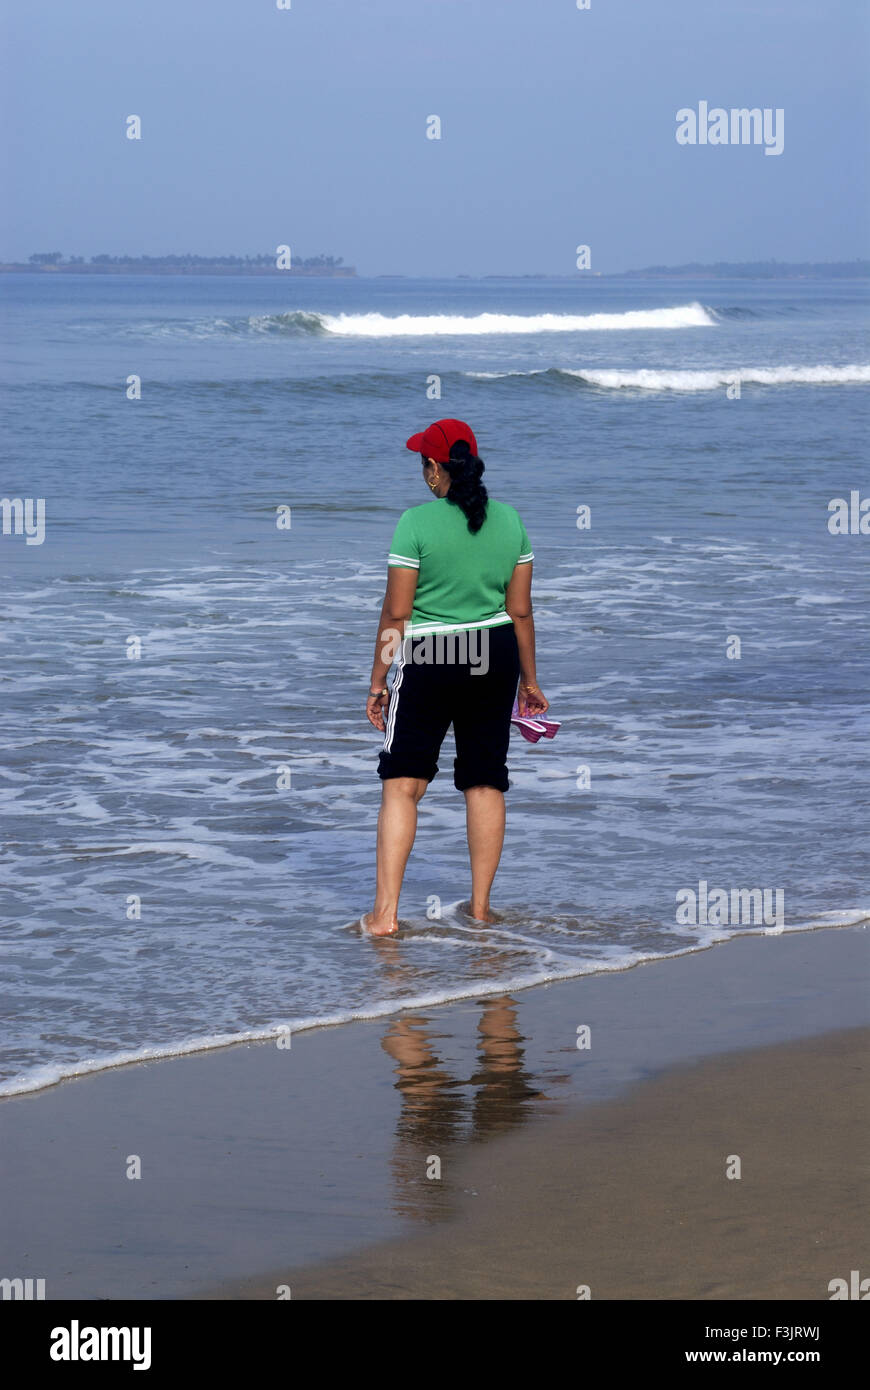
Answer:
(734, 311)
(427, 325)
(696, 379)
(308, 323)
(296, 323)
(771, 310)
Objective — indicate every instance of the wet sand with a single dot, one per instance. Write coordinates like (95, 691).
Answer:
(632, 1200)
(312, 1167)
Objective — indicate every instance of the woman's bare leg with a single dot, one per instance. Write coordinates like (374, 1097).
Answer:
(397, 826)
(485, 817)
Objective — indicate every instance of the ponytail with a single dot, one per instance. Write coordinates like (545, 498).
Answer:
(465, 471)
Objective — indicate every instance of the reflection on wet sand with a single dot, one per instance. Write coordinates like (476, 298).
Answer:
(440, 1110)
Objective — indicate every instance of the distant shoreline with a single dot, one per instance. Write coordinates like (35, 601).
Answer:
(834, 271)
(131, 268)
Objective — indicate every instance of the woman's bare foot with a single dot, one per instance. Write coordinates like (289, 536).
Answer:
(379, 926)
(480, 913)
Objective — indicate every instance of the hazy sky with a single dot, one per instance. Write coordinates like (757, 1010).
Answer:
(307, 126)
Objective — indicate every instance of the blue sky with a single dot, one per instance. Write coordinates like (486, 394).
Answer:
(307, 127)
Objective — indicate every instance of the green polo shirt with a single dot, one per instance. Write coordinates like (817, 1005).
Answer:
(462, 576)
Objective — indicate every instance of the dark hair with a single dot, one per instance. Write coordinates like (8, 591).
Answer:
(465, 470)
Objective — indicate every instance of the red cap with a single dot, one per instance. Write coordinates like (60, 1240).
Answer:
(435, 442)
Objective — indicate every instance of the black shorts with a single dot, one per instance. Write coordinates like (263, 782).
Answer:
(468, 680)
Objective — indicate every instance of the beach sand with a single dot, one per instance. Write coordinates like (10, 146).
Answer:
(630, 1199)
(314, 1167)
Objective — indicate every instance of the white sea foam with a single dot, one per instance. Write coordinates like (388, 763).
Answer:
(40, 1077)
(611, 960)
(209, 854)
(700, 379)
(427, 325)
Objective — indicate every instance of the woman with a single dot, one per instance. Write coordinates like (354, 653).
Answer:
(459, 588)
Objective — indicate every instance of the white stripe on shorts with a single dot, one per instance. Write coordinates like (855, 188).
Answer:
(394, 701)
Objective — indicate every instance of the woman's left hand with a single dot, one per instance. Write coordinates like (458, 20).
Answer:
(376, 708)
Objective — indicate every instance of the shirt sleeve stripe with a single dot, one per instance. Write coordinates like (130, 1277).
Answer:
(403, 560)
(525, 559)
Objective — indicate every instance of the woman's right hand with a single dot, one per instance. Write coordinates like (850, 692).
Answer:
(531, 699)
(376, 708)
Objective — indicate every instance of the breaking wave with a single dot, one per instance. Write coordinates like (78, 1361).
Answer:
(697, 379)
(306, 323)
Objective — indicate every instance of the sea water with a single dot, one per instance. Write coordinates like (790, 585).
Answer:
(188, 785)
